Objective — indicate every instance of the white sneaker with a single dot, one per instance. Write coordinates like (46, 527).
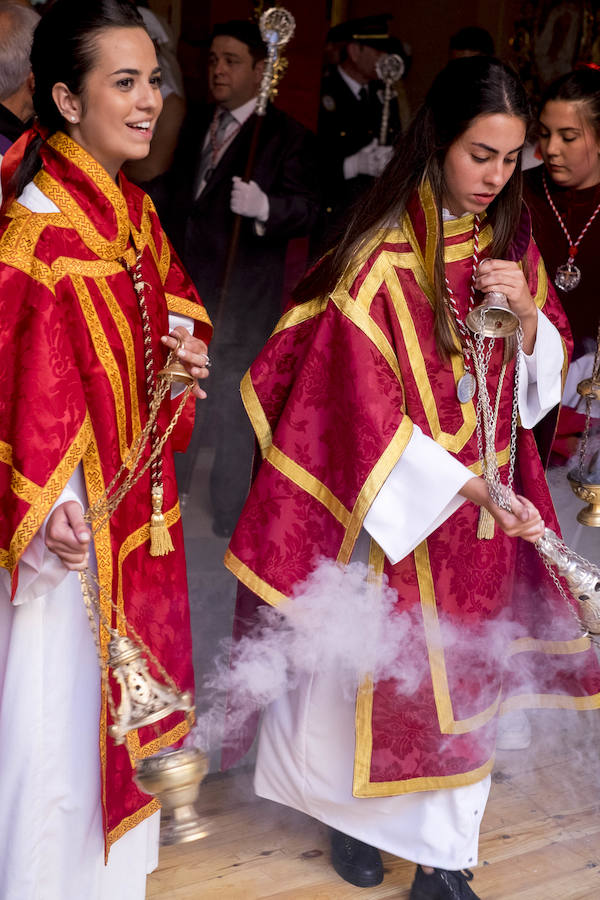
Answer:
(514, 731)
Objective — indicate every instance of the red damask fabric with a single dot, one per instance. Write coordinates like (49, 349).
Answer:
(72, 390)
(333, 398)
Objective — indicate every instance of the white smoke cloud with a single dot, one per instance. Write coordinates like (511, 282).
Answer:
(340, 622)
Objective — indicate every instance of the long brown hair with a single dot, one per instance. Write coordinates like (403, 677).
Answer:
(463, 90)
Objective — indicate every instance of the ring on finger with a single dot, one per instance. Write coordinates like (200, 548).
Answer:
(207, 363)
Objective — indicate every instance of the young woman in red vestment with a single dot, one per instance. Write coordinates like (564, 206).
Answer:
(376, 413)
(563, 196)
(80, 350)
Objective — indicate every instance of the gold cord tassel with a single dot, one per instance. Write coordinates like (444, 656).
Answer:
(485, 526)
(160, 539)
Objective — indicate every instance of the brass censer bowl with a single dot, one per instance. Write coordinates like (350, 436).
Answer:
(174, 778)
(588, 492)
(585, 481)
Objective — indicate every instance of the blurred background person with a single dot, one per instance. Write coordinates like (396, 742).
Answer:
(17, 24)
(471, 41)
(350, 112)
(206, 193)
(563, 196)
(164, 140)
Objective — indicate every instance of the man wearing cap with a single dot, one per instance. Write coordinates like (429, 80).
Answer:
(279, 202)
(350, 117)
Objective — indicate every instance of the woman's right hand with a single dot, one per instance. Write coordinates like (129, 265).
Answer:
(68, 536)
(523, 521)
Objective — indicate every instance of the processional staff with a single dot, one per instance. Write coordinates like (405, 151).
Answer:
(277, 26)
(390, 69)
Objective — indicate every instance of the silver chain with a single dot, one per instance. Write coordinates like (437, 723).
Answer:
(487, 418)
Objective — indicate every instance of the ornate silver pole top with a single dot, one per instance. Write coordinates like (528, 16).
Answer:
(390, 68)
(277, 26)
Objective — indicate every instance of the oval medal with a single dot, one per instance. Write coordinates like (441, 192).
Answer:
(567, 277)
(465, 389)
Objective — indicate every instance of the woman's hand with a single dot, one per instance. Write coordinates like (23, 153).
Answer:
(507, 278)
(523, 521)
(193, 354)
(68, 536)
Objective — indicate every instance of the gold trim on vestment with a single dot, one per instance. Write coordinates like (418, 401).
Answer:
(106, 359)
(301, 313)
(309, 483)
(130, 822)
(363, 321)
(373, 484)
(22, 487)
(435, 647)
(256, 413)
(541, 293)
(95, 488)
(432, 228)
(124, 331)
(186, 307)
(452, 442)
(45, 498)
(256, 584)
(104, 247)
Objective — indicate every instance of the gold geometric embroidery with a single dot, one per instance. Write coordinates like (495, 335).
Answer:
(45, 497)
(186, 307)
(126, 336)
(106, 358)
(21, 486)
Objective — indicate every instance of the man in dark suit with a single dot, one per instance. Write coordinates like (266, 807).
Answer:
(277, 203)
(350, 116)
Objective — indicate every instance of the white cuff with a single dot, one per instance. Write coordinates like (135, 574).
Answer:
(540, 374)
(419, 494)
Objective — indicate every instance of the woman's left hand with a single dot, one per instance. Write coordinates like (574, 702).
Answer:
(507, 278)
(193, 354)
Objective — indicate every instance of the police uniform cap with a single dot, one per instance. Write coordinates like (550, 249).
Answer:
(373, 31)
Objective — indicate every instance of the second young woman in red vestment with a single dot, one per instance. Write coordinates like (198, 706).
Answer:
(376, 412)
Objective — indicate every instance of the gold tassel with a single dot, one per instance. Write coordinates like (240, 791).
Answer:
(160, 539)
(485, 526)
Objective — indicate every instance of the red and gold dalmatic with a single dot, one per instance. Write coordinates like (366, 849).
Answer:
(333, 399)
(73, 390)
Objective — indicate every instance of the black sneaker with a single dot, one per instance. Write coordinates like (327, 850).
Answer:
(442, 884)
(357, 863)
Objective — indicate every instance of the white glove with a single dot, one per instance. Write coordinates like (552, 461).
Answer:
(370, 160)
(247, 199)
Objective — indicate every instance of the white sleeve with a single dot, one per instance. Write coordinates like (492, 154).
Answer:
(40, 570)
(176, 319)
(418, 495)
(540, 375)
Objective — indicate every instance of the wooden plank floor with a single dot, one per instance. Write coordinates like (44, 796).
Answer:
(540, 836)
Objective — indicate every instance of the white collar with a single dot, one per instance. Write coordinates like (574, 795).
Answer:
(354, 85)
(245, 111)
